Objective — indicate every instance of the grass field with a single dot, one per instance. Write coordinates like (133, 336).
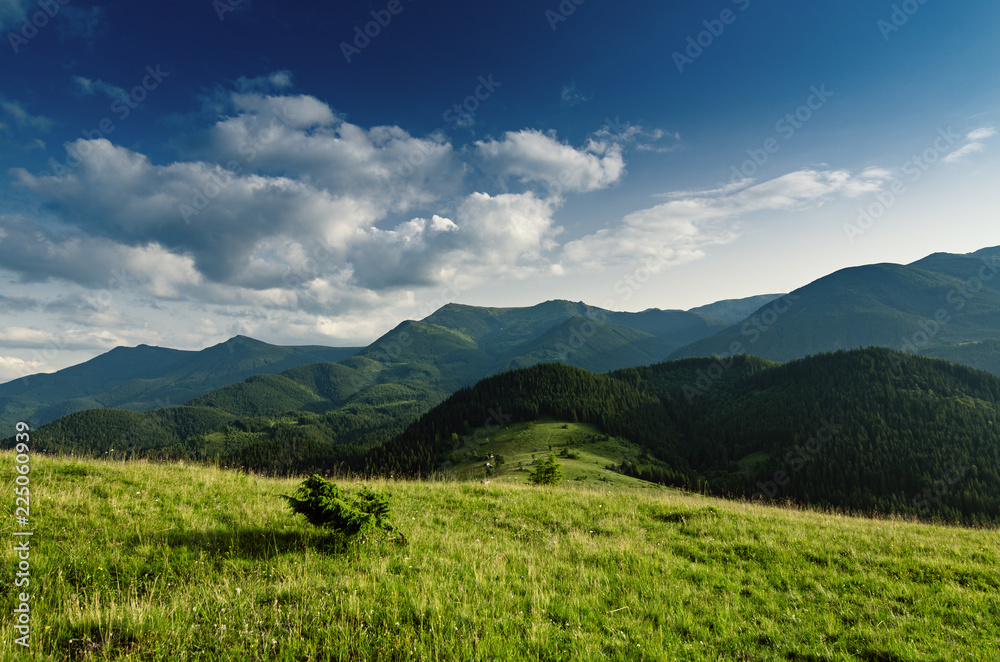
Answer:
(143, 561)
(522, 444)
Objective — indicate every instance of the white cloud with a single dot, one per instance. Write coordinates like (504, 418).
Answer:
(974, 144)
(15, 335)
(276, 80)
(982, 133)
(88, 87)
(678, 230)
(634, 136)
(12, 368)
(533, 156)
(23, 118)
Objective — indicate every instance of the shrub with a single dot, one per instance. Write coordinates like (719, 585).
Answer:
(547, 473)
(324, 505)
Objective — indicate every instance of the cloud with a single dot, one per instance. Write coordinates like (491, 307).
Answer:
(12, 12)
(23, 118)
(974, 144)
(569, 96)
(228, 228)
(23, 337)
(678, 230)
(89, 88)
(12, 368)
(634, 136)
(533, 156)
(272, 82)
(17, 304)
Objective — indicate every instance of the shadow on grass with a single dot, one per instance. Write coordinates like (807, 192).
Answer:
(255, 542)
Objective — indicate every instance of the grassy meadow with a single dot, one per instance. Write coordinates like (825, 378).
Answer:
(144, 561)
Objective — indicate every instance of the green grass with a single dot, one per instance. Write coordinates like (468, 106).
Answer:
(522, 444)
(143, 561)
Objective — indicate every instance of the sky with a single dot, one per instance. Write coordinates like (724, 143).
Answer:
(175, 174)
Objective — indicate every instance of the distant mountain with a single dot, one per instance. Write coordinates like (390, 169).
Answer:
(329, 410)
(144, 378)
(736, 310)
(457, 345)
(847, 430)
(943, 305)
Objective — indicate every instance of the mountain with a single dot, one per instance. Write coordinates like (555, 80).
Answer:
(736, 310)
(332, 412)
(457, 345)
(144, 378)
(848, 429)
(943, 305)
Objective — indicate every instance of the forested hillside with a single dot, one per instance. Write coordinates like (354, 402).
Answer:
(862, 430)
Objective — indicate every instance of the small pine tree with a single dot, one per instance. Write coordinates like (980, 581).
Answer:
(548, 472)
(325, 506)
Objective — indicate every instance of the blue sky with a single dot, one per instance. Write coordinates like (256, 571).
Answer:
(310, 174)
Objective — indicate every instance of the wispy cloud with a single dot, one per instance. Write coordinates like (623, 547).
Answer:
(678, 230)
(974, 143)
(23, 118)
(89, 88)
(571, 97)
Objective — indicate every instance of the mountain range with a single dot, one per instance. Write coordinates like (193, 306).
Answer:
(944, 305)
(303, 407)
(454, 347)
(144, 378)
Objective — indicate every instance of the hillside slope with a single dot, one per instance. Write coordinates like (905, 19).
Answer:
(864, 430)
(199, 563)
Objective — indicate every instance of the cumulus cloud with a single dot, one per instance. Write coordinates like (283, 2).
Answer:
(533, 156)
(228, 229)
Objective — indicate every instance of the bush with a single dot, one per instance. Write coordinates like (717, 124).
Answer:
(325, 506)
(547, 473)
